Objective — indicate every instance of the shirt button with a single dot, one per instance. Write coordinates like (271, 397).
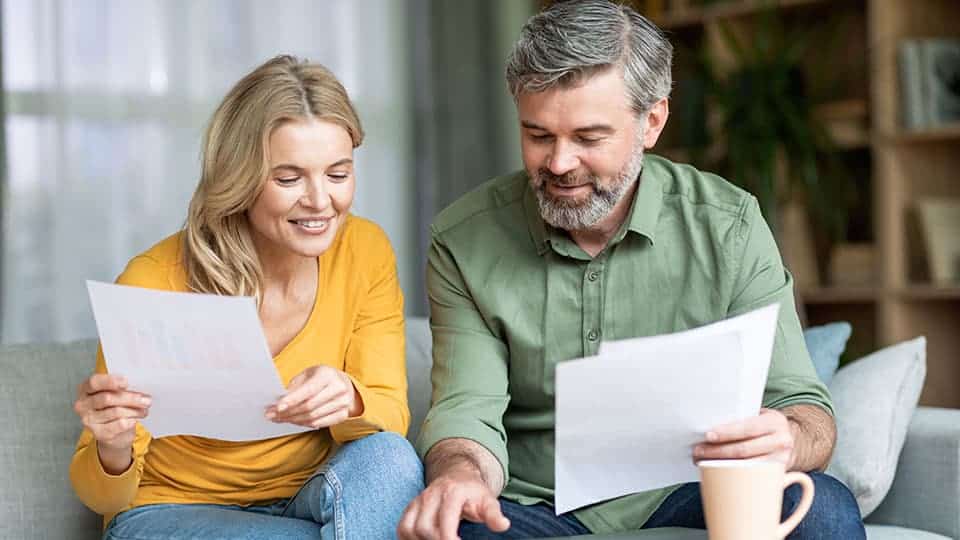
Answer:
(593, 335)
(592, 276)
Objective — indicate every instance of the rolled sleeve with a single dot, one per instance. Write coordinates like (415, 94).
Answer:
(470, 375)
(760, 281)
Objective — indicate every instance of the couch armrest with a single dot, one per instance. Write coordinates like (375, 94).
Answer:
(926, 490)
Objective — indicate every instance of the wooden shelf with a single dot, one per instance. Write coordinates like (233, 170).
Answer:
(846, 121)
(948, 132)
(930, 292)
(839, 295)
(694, 16)
(900, 166)
(865, 295)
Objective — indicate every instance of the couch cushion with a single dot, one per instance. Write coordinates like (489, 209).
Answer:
(885, 532)
(40, 429)
(419, 361)
(875, 398)
(826, 343)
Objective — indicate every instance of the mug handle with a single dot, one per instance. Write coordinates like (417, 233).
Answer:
(805, 501)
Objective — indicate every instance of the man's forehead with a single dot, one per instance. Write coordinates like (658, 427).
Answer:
(579, 113)
(604, 91)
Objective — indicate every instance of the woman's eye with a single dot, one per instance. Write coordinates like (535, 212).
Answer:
(288, 180)
(339, 177)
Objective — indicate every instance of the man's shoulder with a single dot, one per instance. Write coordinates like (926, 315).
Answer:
(685, 185)
(485, 205)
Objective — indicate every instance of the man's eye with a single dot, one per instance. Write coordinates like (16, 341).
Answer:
(339, 177)
(589, 140)
(540, 136)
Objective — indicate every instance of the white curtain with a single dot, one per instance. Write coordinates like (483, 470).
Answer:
(105, 107)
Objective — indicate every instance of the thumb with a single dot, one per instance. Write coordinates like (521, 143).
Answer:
(492, 515)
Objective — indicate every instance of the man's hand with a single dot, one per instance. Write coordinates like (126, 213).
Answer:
(436, 513)
(768, 436)
(463, 481)
(319, 397)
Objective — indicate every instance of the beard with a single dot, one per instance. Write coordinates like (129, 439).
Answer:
(581, 214)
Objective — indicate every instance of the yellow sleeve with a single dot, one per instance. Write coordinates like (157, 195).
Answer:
(375, 356)
(100, 491)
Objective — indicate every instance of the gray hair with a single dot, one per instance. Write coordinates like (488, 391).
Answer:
(573, 40)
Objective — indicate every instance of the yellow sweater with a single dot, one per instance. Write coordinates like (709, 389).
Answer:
(356, 326)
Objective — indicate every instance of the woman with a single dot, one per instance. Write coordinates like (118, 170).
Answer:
(270, 219)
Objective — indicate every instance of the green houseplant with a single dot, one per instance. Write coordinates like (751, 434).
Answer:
(758, 110)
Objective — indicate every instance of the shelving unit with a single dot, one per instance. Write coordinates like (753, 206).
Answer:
(894, 167)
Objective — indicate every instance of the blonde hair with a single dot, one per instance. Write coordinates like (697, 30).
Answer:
(218, 250)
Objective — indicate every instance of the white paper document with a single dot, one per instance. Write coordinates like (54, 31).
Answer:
(203, 358)
(628, 418)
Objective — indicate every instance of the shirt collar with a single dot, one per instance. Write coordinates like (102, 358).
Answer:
(646, 203)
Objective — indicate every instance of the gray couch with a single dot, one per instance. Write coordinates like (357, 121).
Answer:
(39, 430)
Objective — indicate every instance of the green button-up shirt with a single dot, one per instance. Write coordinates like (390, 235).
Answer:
(510, 297)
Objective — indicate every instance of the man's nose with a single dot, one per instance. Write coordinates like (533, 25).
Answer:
(562, 159)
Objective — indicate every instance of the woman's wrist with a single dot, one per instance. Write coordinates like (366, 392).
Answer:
(115, 461)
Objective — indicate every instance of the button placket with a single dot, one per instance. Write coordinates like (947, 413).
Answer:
(592, 305)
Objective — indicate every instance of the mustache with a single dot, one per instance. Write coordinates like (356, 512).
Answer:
(566, 179)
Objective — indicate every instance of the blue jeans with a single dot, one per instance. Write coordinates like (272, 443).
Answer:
(833, 515)
(537, 521)
(359, 493)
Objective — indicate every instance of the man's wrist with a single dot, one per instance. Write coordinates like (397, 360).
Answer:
(461, 466)
(796, 433)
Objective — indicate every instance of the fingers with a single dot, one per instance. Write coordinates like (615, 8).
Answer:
(104, 400)
(119, 432)
(101, 382)
(319, 397)
(769, 421)
(426, 525)
(436, 513)
(304, 386)
(325, 398)
(107, 399)
(448, 515)
(492, 515)
(405, 529)
(771, 445)
(106, 416)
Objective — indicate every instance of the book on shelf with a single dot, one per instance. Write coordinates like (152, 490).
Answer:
(940, 223)
(929, 82)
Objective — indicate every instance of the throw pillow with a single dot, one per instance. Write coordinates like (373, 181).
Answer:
(874, 399)
(826, 343)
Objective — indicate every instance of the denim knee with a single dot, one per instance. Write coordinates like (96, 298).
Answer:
(386, 459)
(833, 514)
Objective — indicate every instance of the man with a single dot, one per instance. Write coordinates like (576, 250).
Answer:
(594, 241)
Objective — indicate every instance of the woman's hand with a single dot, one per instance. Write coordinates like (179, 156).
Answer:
(110, 411)
(319, 397)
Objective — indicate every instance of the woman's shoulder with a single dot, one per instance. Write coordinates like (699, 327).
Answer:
(363, 236)
(159, 267)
